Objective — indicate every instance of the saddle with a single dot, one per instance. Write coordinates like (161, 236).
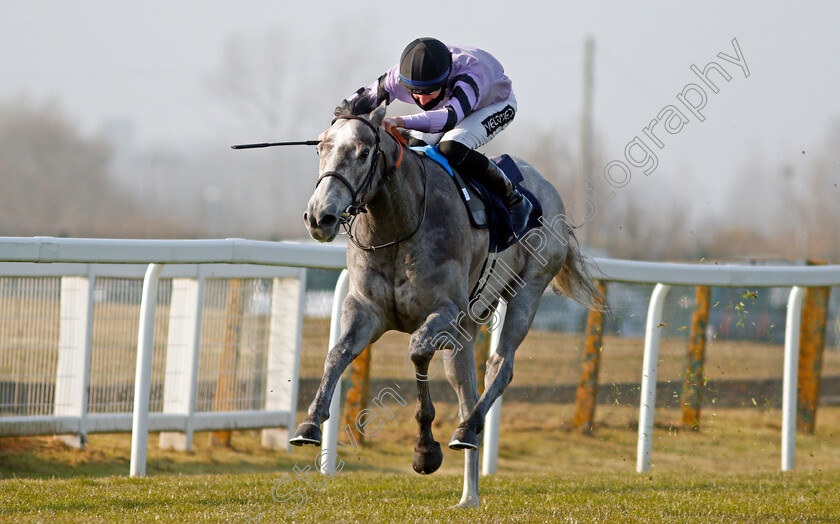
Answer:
(485, 209)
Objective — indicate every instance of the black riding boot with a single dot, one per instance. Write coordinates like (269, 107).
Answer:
(519, 207)
(475, 165)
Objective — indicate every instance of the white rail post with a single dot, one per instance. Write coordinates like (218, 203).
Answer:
(647, 405)
(288, 300)
(330, 436)
(492, 421)
(143, 375)
(72, 375)
(792, 328)
(182, 347)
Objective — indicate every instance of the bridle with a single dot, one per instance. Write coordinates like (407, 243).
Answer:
(348, 216)
(357, 206)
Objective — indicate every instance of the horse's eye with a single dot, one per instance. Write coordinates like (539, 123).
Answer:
(363, 155)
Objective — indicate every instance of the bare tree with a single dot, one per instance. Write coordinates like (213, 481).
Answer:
(251, 81)
(822, 213)
(56, 182)
(277, 85)
(789, 211)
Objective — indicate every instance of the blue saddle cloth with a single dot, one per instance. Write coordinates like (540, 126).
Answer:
(500, 225)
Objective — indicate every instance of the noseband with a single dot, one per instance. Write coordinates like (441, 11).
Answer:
(357, 206)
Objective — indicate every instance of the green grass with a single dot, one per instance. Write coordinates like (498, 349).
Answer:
(377, 497)
(548, 472)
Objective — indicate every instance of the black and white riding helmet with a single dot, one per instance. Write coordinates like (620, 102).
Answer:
(425, 65)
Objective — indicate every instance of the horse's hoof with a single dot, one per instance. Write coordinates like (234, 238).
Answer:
(464, 438)
(307, 433)
(427, 462)
(466, 503)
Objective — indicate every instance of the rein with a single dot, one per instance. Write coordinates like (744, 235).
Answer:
(348, 217)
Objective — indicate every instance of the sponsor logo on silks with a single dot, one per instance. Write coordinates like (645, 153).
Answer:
(493, 122)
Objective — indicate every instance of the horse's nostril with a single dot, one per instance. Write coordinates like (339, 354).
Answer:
(305, 218)
(328, 221)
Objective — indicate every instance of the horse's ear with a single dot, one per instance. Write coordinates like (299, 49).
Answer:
(377, 115)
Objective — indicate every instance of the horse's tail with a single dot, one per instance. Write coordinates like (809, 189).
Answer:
(575, 281)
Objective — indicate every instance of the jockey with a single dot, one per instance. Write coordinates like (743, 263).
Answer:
(466, 101)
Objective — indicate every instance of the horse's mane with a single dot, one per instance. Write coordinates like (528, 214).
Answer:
(364, 106)
(361, 105)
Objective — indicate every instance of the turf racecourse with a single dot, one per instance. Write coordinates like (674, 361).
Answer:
(378, 497)
(548, 472)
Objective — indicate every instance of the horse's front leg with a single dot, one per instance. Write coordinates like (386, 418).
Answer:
(360, 321)
(433, 335)
(461, 372)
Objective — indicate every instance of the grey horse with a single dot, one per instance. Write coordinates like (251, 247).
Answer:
(414, 261)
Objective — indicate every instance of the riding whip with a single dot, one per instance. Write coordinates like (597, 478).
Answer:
(272, 144)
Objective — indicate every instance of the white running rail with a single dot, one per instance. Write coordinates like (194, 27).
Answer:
(664, 275)
(82, 252)
(188, 263)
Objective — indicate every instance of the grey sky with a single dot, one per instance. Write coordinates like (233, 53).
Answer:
(149, 62)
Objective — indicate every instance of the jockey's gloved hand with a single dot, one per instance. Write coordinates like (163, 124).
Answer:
(392, 122)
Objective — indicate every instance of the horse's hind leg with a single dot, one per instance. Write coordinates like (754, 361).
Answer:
(431, 336)
(359, 323)
(521, 309)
